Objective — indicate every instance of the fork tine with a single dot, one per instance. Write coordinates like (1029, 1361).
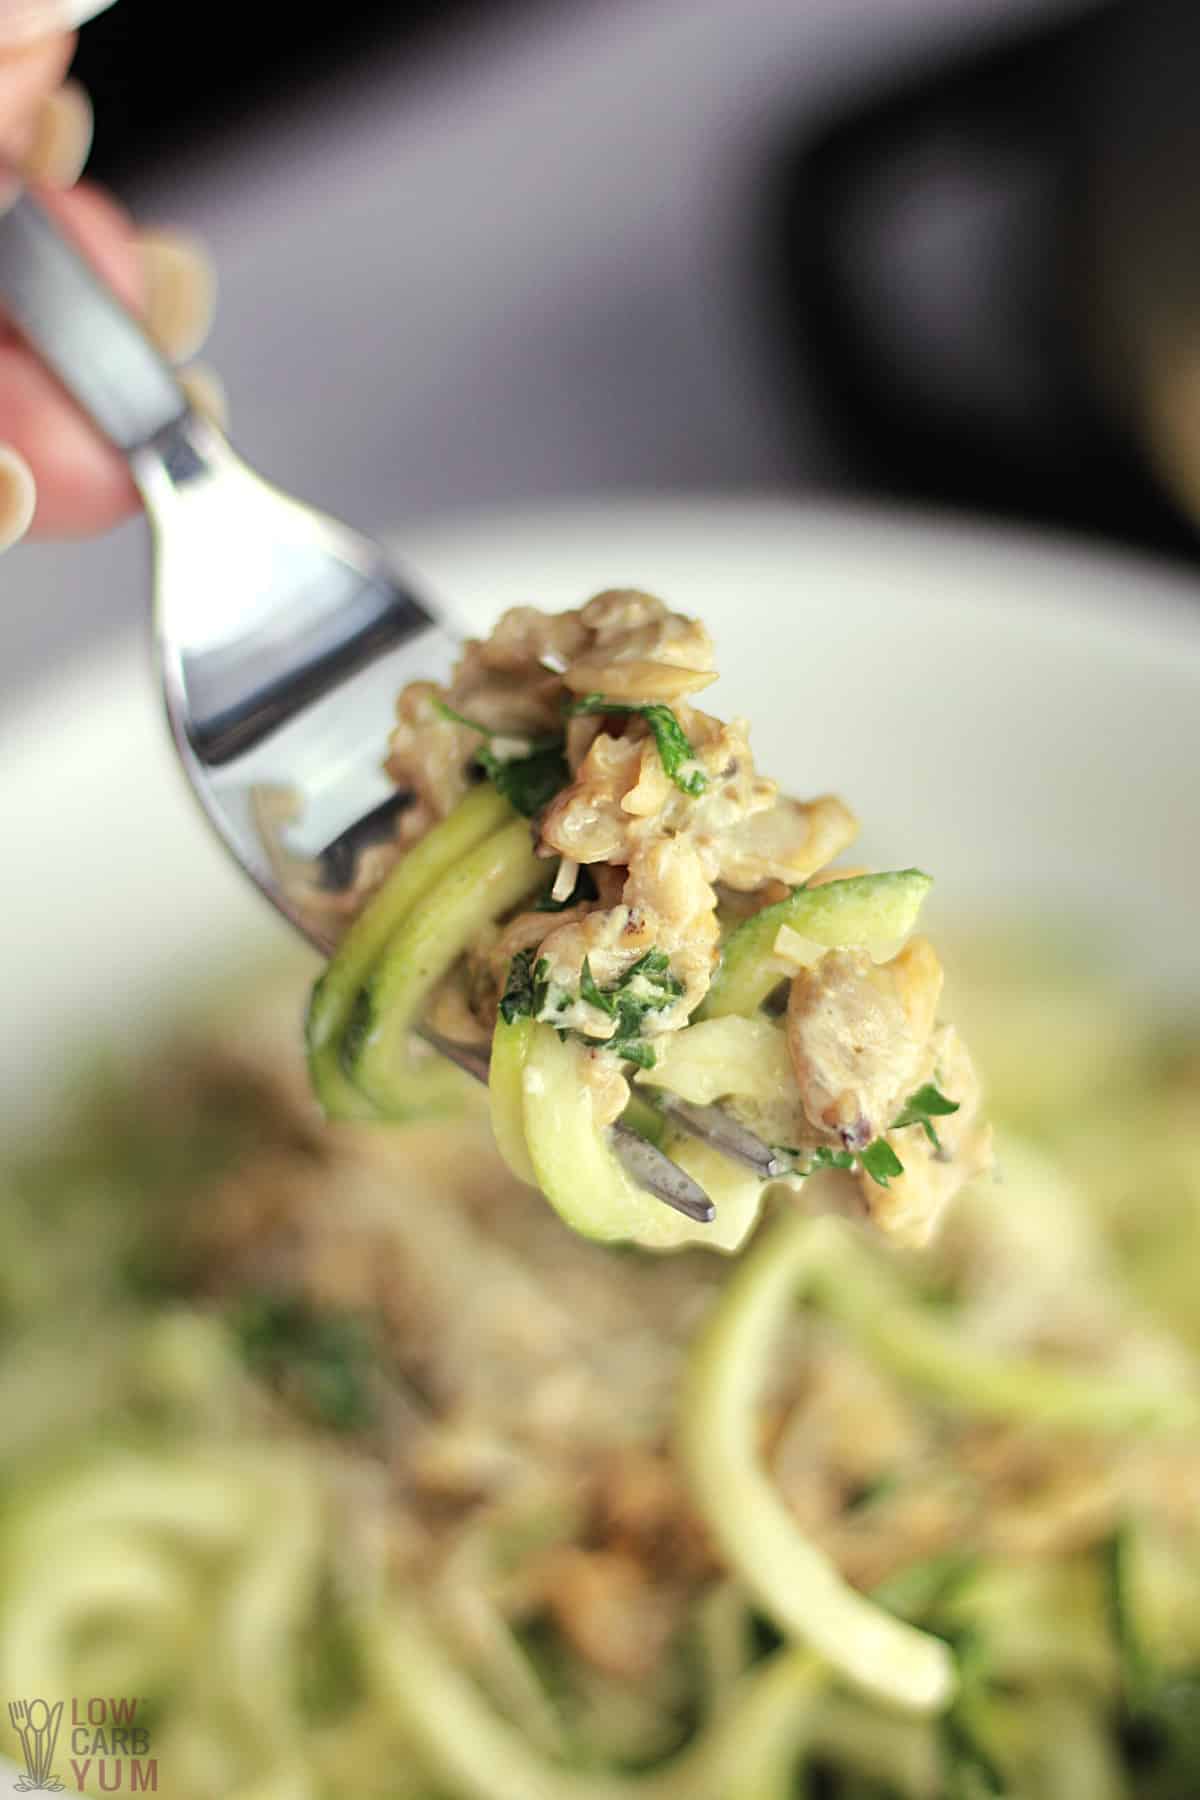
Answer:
(655, 1172)
(712, 1125)
(660, 1176)
(472, 1059)
(648, 1166)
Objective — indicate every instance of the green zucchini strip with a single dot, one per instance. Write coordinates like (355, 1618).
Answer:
(863, 910)
(510, 1047)
(793, 1582)
(644, 1118)
(912, 1341)
(334, 994)
(468, 1748)
(377, 1052)
(582, 1179)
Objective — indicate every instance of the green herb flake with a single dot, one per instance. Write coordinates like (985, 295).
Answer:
(881, 1162)
(653, 963)
(323, 1361)
(593, 995)
(671, 740)
(825, 1158)
(878, 1159)
(921, 1108)
(457, 718)
(359, 1026)
(516, 1002)
(528, 783)
(646, 986)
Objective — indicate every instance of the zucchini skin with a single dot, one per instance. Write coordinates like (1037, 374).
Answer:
(332, 1000)
(856, 912)
(577, 1171)
(376, 1053)
(510, 1048)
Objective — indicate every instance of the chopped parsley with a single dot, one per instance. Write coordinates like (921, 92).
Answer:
(322, 1361)
(646, 986)
(879, 1160)
(456, 718)
(527, 782)
(921, 1108)
(825, 1158)
(525, 991)
(672, 742)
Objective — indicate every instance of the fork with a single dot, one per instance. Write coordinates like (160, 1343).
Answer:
(19, 1720)
(282, 638)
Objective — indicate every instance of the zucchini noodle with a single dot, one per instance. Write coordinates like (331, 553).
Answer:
(194, 1576)
(875, 911)
(895, 1749)
(506, 1095)
(448, 919)
(335, 993)
(909, 1339)
(749, 1753)
(581, 1177)
(392, 1486)
(797, 1587)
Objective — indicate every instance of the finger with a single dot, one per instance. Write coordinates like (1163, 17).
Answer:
(18, 496)
(179, 292)
(82, 484)
(106, 235)
(60, 138)
(206, 393)
(27, 21)
(27, 75)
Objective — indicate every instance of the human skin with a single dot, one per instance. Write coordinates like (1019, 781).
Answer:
(82, 485)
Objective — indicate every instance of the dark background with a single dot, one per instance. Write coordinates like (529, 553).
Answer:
(157, 94)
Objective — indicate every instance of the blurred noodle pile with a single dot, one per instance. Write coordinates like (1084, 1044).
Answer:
(366, 1476)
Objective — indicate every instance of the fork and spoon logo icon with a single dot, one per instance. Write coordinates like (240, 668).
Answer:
(36, 1724)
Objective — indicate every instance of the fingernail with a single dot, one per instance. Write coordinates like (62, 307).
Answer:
(61, 138)
(181, 289)
(206, 391)
(23, 21)
(18, 496)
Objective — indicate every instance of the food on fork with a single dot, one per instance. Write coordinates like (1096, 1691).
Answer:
(592, 877)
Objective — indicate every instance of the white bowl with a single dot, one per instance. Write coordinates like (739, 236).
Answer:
(1019, 717)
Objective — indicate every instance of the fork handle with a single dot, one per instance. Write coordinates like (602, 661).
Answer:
(79, 328)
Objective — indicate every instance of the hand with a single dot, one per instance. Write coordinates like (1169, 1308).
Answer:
(57, 475)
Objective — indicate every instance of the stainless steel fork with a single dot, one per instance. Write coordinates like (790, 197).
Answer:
(282, 636)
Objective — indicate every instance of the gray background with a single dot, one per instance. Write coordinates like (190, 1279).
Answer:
(512, 270)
